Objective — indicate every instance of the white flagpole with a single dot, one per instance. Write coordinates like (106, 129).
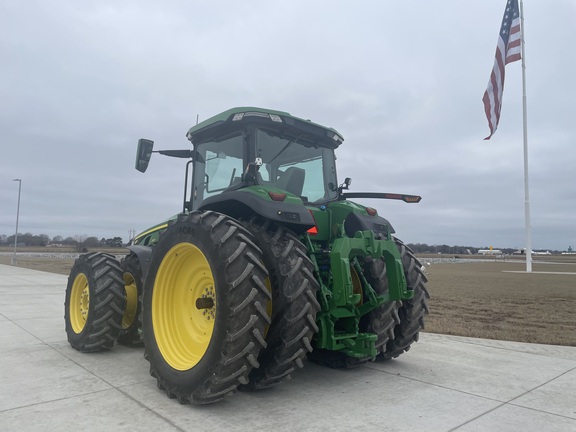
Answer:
(525, 128)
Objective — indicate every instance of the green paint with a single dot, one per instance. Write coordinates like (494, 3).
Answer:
(334, 255)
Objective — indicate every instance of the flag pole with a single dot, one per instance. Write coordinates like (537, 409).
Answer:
(525, 133)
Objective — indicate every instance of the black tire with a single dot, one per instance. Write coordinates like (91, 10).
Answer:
(413, 311)
(382, 320)
(204, 307)
(94, 303)
(294, 304)
(131, 333)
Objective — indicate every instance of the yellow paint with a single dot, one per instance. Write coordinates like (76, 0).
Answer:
(79, 303)
(184, 306)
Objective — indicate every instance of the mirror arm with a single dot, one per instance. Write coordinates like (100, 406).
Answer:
(185, 154)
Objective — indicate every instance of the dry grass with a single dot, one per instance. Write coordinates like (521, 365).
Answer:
(49, 263)
(481, 300)
(58, 250)
(52, 265)
(472, 299)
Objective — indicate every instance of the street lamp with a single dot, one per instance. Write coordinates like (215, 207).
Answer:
(14, 260)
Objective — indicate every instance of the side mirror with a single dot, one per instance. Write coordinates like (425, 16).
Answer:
(344, 186)
(143, 154)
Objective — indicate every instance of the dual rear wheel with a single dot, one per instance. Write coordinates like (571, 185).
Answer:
(227, 306)
(205, 308)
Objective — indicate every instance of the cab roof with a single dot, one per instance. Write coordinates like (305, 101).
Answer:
(237, 118)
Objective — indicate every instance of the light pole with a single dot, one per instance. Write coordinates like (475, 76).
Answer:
(14, 260)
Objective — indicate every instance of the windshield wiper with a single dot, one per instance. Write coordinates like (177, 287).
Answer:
(284, 148)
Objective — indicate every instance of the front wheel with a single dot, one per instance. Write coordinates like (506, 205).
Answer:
(94, 303)
(204, 307)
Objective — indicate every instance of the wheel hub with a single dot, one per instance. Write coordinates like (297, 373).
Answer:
(207, 303)
(85, 303)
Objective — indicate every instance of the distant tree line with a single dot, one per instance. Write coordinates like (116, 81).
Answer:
(457, 250)
(80, 243)
(444, 249)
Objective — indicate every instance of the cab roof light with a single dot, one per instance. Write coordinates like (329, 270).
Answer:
(335, 137)
(371, 211)
(274, 117)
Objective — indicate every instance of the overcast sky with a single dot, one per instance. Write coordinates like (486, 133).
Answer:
(80, 82)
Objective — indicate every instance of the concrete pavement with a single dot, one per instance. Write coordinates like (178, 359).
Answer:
(444, 383)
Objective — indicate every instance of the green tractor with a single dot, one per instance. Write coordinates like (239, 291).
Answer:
(268, 263)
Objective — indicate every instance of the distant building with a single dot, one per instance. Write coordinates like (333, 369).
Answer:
(489, 252)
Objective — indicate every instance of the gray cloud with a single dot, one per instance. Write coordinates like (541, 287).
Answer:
(403, 82)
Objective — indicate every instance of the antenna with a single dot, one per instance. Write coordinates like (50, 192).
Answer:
(197, 118)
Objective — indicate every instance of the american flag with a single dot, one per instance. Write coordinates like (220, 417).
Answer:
(507, 51)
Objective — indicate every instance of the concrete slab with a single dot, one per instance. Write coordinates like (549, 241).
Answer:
(121, 366)
(35, 374)
(13, 336)
(48, 330)
(109, 410)
(444, 383)
(513, 418)
(452, 364)
(319, 398)
(557, 396)
(539, 272)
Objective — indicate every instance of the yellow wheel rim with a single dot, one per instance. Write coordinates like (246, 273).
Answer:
(183, 306)
(131, 300)
(79, 303)
(356, 285)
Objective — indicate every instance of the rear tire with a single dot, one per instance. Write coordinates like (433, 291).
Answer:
(294, 304)
(382, 320)
(131, 333)
(204, 307)
(94, 303)
(412, 311)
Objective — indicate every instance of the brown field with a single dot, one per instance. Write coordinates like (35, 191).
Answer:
(52, 265)
(47, 263)
(479, 299)
(475, 299)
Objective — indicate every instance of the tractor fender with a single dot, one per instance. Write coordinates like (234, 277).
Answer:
(358, 222)
(143, 253)
(242, 205)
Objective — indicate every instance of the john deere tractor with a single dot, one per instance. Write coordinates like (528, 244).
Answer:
(269, 262)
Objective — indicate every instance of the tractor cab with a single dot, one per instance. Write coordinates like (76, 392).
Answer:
(246, 147)
(256, 161)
